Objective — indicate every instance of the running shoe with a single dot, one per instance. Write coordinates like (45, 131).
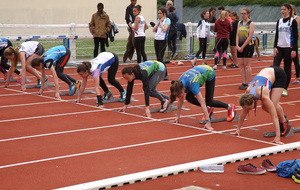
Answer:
(243, 86)
(107, 95)
(19, 79)
(284, 93)
(296, 81)
(215, 67)
(286, 128)
(250, 169)
(72, 89)
(224, 67)
(123, 96)
(296, 176)
(231, 113)
(210, 112)
(165, 106)
(193, 63)
(232, 65)
(78, 84)
(166, 78)
(39, 84)
(267, 165)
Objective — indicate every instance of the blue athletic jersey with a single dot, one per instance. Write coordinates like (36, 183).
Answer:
(53, 55)
(259, 81)
(3, 43)
(194, 78)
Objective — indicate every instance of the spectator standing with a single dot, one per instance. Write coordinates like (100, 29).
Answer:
(286, 42)
(130, 18)
(212, 15)
(100, 27)
(223, 28)
(161, 29)
(245, 46)
(172, 36)
(139, 26)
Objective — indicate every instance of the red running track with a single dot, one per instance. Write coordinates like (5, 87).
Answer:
(46, 143)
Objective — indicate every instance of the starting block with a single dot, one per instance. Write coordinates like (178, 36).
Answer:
(76, 92)
(111, 100)
(219, 119)
(46, 85)
(290, 134)
(171, 108)
(14, 80)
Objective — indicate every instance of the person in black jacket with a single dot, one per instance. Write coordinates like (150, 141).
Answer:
(172, 32)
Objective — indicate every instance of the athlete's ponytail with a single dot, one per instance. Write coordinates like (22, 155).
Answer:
(85, 66)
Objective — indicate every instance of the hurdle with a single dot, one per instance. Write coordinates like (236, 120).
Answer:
(219, 119)
(290, 134)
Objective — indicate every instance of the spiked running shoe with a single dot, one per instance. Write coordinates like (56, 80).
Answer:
(165, 106)
(39, 84)
(72, 89)
(296, 81)
(284, 93)
(286, 128)
(123, 96)
(267, 165)
(250, 169)
(231, 113)
(78, 84)
(210, 112)
(107, 95)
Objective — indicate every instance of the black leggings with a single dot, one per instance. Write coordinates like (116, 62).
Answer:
(160, 48)
(139, 43)
(102, 42)
(202, 47)
(172, 41)
(59, 68)
(209, 96)
(221, 46)
(285, 54)
(296, 63)
(112, 76)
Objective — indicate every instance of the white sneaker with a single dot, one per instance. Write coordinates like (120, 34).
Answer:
(165, 106)
(224, 67)
(215, 67)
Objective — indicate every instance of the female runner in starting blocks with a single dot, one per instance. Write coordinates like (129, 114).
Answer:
(267, 86)
(56, 59)
(189, 83)
(96, 67)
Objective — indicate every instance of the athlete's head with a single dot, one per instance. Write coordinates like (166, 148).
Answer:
(12, 54)
(130, 73)
(84, 69)
(205, 14)
(234, 16)
(162, 12)
(137, 10)
(245, 13)
(37, 63)
(176, 89)
(248, 101)
(223, 16)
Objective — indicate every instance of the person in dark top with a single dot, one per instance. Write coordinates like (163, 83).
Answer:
(129, 17)
(286, 42)
(150, 73)
(172, 32)
(232, 39)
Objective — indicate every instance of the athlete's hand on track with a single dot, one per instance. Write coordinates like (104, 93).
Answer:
(237, 132)
(124, 108)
